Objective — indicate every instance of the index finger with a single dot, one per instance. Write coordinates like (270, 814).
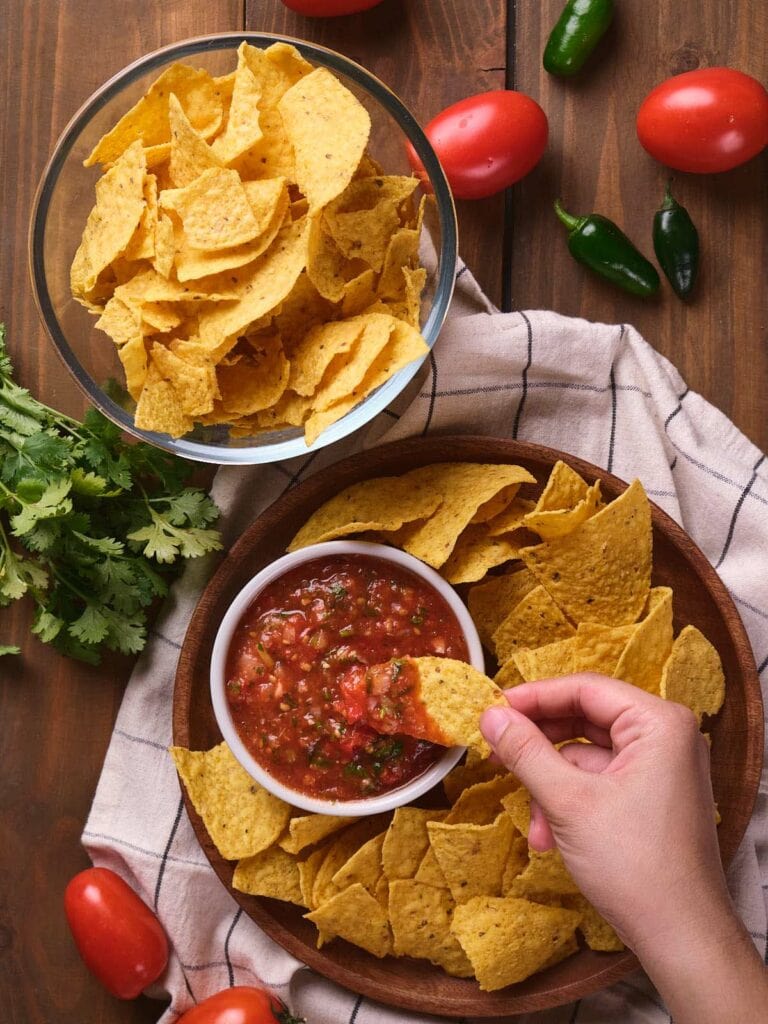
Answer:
(586, 695)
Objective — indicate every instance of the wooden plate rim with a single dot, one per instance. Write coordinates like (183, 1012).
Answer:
(464, 998)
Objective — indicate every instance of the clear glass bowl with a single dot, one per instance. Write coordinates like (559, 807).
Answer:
(66, 194)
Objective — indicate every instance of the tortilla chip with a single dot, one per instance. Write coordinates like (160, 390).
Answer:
(190, 154)
(356, 916)
(508, 676)
(241, 817)
(311, 359)
(429, 871)
(160, 316)
(545, 876)
(165, 249)
(406, 841)
(642, 660)
(133, 356)
(480, 803)
(329, 130)
(327, 267)
(308, 869)
(601, 572)
(142, 243)
(595, 648)
(255, 382)
(242, 129)
(559, 522)
(510, 518)
(272, 873)
(148, 120)
(358, 294)
(508, 939)
(564, 489)
(421, 918)
(347, 369)
(472, 857)
(598, 934)
(517, 862)
(214, 210)
(489, 603)
(159, 406)
(693, 674)
(364, 866)
(464, 487)
(534, 622)
(472, 770)
(308, 829)
(339, 852)
(475, 553)
(402, 252)
(364, 217)
(518, 805)
(194, 384)
(121, 321)
(113, 220)
(272, 156)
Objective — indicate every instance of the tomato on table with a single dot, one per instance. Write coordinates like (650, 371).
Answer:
(242, 1004)
(487, 142)
(297, 679)
(705, 121)
(329, 8)
(117, 935)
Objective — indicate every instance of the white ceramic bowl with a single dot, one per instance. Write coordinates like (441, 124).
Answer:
(368, 805)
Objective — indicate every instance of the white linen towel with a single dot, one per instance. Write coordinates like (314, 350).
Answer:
(598, 391)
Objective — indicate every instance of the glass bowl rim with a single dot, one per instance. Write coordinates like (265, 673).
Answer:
(373, 404)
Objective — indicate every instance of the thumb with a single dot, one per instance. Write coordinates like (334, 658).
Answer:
(524, 749)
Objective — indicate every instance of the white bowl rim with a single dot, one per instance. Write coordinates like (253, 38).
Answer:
(344, 808)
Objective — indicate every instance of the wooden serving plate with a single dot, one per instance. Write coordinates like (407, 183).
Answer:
(699, 598)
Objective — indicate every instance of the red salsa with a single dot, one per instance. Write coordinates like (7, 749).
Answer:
(295, 665)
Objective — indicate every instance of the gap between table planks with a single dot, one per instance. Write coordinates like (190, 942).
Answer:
(432, 53)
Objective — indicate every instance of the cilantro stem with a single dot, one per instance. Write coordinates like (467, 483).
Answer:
(11, 494)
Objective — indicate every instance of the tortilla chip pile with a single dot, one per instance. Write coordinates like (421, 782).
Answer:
(248, 258)
(458, 885)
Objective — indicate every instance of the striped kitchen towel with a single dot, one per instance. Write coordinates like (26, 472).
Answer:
(598, 391)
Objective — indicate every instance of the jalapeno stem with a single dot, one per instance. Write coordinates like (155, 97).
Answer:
(571, 222)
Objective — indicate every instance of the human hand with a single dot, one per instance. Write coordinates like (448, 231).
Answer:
(632, 813)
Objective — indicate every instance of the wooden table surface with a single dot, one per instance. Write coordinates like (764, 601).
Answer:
(56, 715)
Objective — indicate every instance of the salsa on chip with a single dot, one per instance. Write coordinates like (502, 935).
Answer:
(348, 675)
(252, 264)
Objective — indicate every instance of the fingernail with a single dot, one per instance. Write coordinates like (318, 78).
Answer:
(493, 722)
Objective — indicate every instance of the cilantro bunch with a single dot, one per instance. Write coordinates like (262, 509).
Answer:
(91, 528)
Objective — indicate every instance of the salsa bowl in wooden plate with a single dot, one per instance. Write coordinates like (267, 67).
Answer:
(700, 598)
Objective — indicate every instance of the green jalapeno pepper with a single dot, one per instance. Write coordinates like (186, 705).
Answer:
(579, 29)
(676, 244)
(600, 245)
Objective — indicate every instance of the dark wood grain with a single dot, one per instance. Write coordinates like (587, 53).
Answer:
(431, 54)
(700, 598)
(718, 341)
(56, 715)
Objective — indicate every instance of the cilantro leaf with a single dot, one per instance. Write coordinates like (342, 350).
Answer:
(164, 541)
(9, 649)
(53, 502)
(46, 625)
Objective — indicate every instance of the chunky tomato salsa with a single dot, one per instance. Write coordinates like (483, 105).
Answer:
(295, 665)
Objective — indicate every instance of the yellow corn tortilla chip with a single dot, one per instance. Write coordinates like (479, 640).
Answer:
(241, 817)
(329, 130)
(148, 122)
(421, 918)
(402, 252)
(214, 210)
(259, 287)
(406, 841)
(518, 806)
(348, 368)
(308, 829)
(517, 862)
(404, 346)
(642, 660)
(133, 356)
(149, 286)
(255, 382)
(496, 505)
(601, 572)
(475, 553)
(598, 934)
(553, 523)
(693, 674)
(158, 405)
(534, 622)
(442, 701)
(273, 873)
(142, 243)
(194, 384)
(160, 316)
(327, 267)
(308, 869)
(381, 892)
(595, 648)
(121, 321)
(464, 487)
(312, 357)
(472, 770)
(489, 603)
(508, 939)
(113, 220)
(359, 293)
(242, 129)
(356, 916)
(190, 154)
(472, 857)
(272, 156)
(508, 676)
(340, 850)
(275, 69)
(364, 866)
(304, 307)
(564, 489)
(480, 803)
(545, 876)
(165, 249)
(510, 518)
(429, 872)
(364, 217)
(415, 282)
(383, 503)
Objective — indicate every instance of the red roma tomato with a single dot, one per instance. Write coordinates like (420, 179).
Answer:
(329, 8)
(702, 121)
(117, 935)
(240, 1005)
(487, 142)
